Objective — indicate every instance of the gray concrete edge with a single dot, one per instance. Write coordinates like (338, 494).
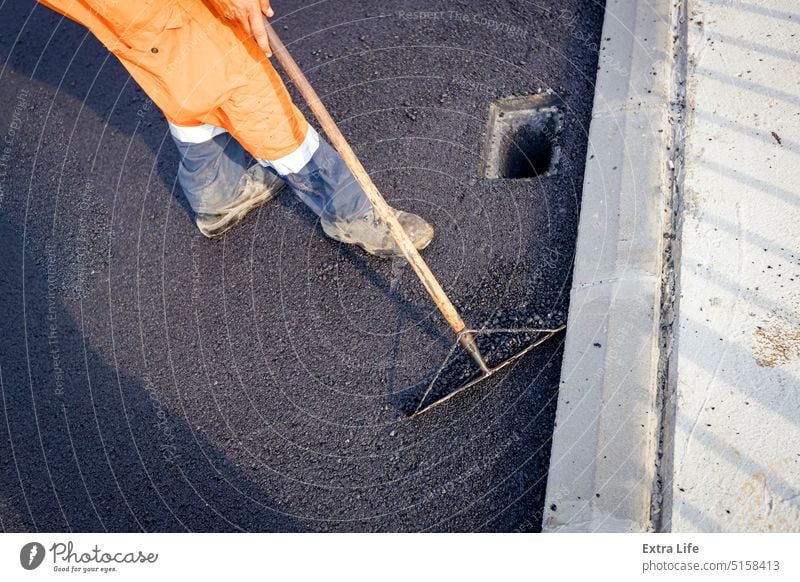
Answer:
(605, 444)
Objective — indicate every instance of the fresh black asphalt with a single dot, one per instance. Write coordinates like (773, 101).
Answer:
(154, 380)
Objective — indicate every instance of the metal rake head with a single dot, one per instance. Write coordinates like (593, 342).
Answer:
(427, 404)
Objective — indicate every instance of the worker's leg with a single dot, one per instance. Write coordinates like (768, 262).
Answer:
(220, 183)
(216, 178)
(262, 117)
(221, 189)
(318, 175)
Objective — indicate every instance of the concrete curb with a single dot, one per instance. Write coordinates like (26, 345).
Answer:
(603, 460)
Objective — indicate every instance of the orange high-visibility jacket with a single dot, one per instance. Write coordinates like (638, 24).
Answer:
(197, 68)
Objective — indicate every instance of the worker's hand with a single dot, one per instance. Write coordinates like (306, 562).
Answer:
(250, 15)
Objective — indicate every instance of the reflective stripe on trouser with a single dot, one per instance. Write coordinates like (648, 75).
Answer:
(213, 162)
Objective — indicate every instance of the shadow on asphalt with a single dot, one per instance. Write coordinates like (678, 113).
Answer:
(83, 447)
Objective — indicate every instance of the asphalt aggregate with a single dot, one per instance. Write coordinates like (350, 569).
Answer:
(154, 380)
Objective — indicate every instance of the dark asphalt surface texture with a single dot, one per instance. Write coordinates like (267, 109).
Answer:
(154, 380)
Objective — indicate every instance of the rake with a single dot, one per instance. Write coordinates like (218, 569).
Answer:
(465, 337)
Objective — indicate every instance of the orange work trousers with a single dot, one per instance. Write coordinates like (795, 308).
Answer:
(198, 68)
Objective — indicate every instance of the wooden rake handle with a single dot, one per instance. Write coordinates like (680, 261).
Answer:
(380, 206)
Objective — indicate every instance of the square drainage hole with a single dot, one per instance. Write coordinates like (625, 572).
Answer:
(521, 137)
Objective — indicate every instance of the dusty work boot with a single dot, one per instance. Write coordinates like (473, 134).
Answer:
(367, 231)
(255, 188)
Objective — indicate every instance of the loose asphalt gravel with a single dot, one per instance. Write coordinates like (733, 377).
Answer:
(154, 380)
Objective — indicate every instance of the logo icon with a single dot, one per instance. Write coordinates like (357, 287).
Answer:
(31, 555)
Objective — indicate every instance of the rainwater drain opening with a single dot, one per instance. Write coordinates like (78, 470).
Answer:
(522, 138)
